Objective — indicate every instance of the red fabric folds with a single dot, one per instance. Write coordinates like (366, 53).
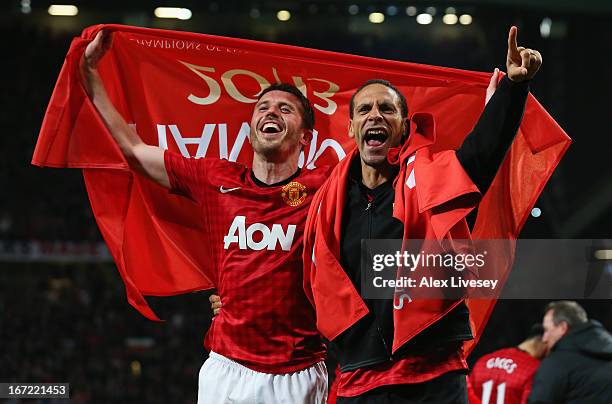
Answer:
(194, 93)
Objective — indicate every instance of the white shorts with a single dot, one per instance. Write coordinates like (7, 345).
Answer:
(223, 380)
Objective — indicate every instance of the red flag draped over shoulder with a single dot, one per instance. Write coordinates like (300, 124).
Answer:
(194, 94)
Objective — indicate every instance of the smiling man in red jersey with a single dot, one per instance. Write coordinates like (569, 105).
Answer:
(260, 351)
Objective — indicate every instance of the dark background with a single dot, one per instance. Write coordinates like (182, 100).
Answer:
(69, 320)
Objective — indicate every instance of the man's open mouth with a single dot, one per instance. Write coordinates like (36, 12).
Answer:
(271, 127)
(375, 137)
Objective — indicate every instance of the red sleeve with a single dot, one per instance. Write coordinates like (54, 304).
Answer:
(189, 176)
(475, 379)
(526, 392)
(473, 398)
(528, 385)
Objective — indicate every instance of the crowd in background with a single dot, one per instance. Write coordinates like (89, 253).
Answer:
(44, 203)
(73, 324)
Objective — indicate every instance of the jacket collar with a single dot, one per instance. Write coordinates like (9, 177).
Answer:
(422, 133)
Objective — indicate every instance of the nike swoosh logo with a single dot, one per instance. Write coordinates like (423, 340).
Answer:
(226, 190)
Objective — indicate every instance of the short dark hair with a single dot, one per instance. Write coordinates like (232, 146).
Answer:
(536, 331)
(567, 310)
(403, 103)
(308, 118)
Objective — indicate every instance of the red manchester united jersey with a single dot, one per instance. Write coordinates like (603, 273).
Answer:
(504, 376)
(255, 238)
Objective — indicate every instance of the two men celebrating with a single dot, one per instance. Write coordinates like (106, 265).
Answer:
(264, 343)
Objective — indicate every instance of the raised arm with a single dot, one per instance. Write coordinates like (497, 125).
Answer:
(145, 159)
(484, 149)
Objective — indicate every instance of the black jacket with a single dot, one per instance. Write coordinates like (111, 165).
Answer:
(578, 370)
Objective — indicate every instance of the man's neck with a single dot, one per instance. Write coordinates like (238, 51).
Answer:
(372, 177)
(527, 346)
(270, 172)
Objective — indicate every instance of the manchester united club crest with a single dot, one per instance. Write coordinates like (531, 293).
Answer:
(294, 193)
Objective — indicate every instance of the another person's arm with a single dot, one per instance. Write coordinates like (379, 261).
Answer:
(484, 149)
(145, 159)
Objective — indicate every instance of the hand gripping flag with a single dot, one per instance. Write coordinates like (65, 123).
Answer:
(194, 94)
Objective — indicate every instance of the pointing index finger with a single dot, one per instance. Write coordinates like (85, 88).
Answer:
(512, 45)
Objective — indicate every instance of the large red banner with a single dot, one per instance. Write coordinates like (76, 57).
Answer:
(194, 94)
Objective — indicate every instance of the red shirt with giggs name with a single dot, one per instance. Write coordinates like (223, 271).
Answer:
(504, 376)
(255, 236)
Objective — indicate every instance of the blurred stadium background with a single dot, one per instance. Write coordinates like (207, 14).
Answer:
(63, 312)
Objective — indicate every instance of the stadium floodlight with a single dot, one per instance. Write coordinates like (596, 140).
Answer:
(67, 10)
(431, 10)
(26, 6)
(411, 11)
(173, 12)
(450, 19)
(376, 18)
(353, 9)
(283, 15)
(545, 27)
(424, 19)
(465, 19)
(536, 212)
(603, 255)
